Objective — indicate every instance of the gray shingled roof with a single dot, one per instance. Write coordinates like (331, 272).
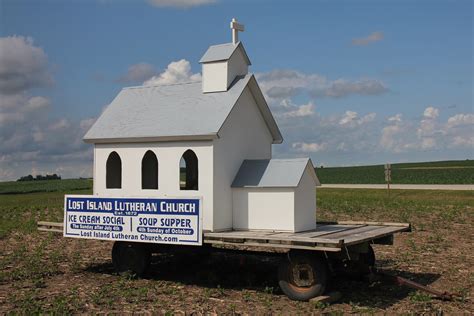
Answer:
(172, 112)
(222, 52)
(271, 173)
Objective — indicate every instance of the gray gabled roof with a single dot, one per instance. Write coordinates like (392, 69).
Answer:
(223, 52)
(263, 173)
(173, 112)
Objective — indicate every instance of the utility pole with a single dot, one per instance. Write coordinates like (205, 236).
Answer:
(388, 176)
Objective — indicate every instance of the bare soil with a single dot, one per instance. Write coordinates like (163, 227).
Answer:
(44, 272)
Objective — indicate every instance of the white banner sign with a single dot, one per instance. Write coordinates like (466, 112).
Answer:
(164, 220)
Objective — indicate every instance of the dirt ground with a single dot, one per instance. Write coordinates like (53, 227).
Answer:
(44, 272)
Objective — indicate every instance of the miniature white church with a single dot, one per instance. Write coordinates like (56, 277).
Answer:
(223, 129)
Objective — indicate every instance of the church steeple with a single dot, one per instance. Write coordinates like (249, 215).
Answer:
(221, 64)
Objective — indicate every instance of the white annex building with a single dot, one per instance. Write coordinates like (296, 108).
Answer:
(223, 130)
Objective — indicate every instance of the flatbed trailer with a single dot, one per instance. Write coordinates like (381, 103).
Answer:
(327, 237)
(307, 258)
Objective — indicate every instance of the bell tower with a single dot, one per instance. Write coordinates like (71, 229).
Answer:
(221, 64)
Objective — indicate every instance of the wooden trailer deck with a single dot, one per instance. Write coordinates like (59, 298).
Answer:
(326, 237)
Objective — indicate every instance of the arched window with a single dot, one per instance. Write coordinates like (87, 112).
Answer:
(114, 171)
(149, 171)
(188, 175)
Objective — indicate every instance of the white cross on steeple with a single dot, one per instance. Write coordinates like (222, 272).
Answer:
(236, 27)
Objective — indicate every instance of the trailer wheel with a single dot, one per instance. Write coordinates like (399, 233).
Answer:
(302, 276)
(130, 257)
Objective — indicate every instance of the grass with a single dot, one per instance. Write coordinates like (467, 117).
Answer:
(20, 212)
(400, 205)
(439, 172)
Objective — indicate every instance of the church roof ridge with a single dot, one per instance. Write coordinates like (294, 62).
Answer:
(162, 85)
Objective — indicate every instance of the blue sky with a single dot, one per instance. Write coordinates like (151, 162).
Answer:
(371, 81)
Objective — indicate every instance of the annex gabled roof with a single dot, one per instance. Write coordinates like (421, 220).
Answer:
(264, 173)
(223, 52)
(173, 112)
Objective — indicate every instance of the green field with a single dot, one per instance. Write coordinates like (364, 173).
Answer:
(15, 187)
(440, 172)
(36, 269)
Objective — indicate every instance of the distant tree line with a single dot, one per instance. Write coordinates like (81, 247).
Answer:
(40, 177)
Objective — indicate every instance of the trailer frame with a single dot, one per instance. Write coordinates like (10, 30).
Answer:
(307, 257)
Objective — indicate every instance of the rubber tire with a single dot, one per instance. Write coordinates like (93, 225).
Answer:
(293, 291)
(130, 257)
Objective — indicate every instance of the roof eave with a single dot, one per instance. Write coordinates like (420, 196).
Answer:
(150, 139)
(265, 110)
(313, 172)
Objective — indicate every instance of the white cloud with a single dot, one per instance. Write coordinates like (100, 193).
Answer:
(464, 141)
(428, 128)
(461, 119)
(371, 38)
(21, 108)
(460, 129)
(367, 118)
(22, 65)
(180, 4)
(395, 118)
(283, 84)
(60, 124)
(429, 133)
(37, 103)
(323, 136)
(309, 147)
(138, 73)
(288, 109)
(431, 112)
(176, 72)
(428, 143)
(341, 88)
(390, 137)
(348, 117)
(29, 139)
(351, 118)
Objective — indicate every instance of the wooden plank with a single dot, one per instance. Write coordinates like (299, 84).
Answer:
(270, 239)
(52, 224)
(374, 223)
(281, 234)
(336, 229)
(374, 234)
(246, 233)
(50, 230)
(303, 239)
(271, 245)
(237, 234)
(319, 231)
(303, 236)
(352, 232)
(54, 227)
